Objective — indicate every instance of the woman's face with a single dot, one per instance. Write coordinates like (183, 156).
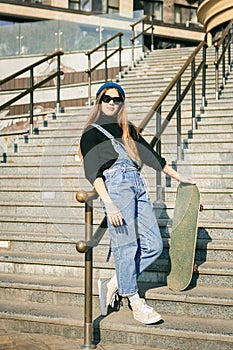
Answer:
(109, 107)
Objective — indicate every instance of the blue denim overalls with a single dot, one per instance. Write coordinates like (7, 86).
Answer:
(137, 243)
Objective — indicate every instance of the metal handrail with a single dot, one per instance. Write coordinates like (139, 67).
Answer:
(90, 69)
(157, 107)
(225, 43)
(33, 86)
(135, 37)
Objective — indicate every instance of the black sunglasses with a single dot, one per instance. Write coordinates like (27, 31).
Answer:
(107, 99)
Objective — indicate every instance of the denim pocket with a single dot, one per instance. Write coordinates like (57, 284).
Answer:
(113, 177)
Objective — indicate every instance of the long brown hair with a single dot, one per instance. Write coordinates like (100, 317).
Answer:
(122, 120)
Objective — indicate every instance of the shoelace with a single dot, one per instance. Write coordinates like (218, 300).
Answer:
(115, 297)
(148, 309)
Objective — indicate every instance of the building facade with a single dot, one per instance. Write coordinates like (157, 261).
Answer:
(175, 20)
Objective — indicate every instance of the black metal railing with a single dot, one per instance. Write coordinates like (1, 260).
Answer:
(33, 86)
(135, 37)
(225, 43)
(176, 108)
(104, 61)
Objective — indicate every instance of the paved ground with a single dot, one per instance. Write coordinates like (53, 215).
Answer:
(11, 340)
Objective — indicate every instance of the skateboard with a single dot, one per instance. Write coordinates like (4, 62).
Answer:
(183, 237)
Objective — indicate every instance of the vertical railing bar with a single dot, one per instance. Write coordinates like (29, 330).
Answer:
(58, 83)
(216, 74)
(88, 324)
(120, 49)
(158, 150)
(133, 44)
(229, 55)
(31, 100)
(89, 77)
(223, 65)
(143, 41)
(152, 33)
(194, 119)
(203, 105)
(178, 116)
(106, 62)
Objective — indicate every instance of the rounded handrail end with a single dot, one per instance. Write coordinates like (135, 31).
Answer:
(81, 246)
(81, 196)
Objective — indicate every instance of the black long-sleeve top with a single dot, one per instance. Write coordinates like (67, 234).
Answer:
(99, 154)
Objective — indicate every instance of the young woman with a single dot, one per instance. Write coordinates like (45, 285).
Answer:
(113, 153)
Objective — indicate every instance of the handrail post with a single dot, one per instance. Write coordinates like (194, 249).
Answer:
(229, 54)
(143, 50)
(120, 49)
(89, 77)
(223, 65)
(158, 150)
(106, 62)
(204, 102)
(133, 45)
(178, 118)
(31, 100)
(152, 33)
(58, 83)
(194, 119)
(216, 73)
(88, 326)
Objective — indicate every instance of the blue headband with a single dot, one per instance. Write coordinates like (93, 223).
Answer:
(110, 85)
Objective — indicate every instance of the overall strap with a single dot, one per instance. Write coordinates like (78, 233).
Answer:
(105, 132)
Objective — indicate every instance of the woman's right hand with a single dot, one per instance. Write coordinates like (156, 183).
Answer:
(114, 215)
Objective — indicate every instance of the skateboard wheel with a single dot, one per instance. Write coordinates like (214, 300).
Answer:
(195, 268)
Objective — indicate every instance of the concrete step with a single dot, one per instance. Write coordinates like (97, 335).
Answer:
(176, 332)
(36, 181)
(61, 259)
(22, 197)
(57, 154)
(205, 302)
(74, 182)
(223, 154)
(208, 248)
(210, 212)
(214, 302)
(60, 227)
(201, 167)
(35, 169)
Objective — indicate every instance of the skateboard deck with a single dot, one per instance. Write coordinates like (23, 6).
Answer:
(183, 237)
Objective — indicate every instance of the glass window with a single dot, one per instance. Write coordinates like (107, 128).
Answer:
(113, 6)
(85, 5)
(184, 14)
(113, 3)
(154, 8)
(99, 6)
(158, 10)
(74, 4)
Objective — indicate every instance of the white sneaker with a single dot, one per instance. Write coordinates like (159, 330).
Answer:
(144, 313)
(107, 293)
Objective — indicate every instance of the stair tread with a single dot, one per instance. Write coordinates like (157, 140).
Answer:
(121, 321)
(74, 259)
(199, 294)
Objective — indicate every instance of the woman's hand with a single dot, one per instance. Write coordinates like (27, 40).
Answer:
(187, 180)
(175, 175)
(114, 215)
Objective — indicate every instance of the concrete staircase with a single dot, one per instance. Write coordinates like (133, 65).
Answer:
(41, 274)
